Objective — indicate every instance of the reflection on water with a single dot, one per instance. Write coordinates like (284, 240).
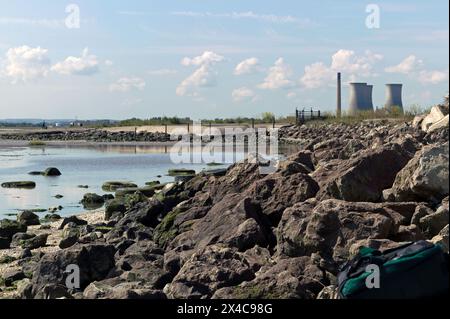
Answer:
(87, 165)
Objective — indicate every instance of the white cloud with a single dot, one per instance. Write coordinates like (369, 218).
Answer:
(414, 68)
(247, 66)
(316, 75)
(127, 84)
(207, 58)
(433, 77)
(243, 94)
(407, 66)
(109, 63)
(271, 18)
(85, 65)
(204, 76)
(25, 63)
(163, 72)
(278, 76)
(319, 74)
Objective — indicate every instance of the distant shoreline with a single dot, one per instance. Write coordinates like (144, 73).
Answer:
(25, 143)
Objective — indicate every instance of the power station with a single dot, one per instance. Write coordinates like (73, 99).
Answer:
(361, 97)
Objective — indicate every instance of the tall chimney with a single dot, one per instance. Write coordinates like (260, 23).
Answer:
(358, 96)
(394, 96)
(339, 96)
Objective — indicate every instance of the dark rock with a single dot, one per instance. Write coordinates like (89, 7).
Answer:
(293, 278)
(425, 177)
(10, 276)
(330, 227)
(70, 237)
(72, 219)
(28, 218)
(35, 242)
(208, 270)
(432, 224)
(362, 178)
(17, 238)
(52, 171)
(235, 221)
(21, 184)
(115, 185)
(9, 227)
(92, 201)
(94, 261)
(26, 253)
(4, 243)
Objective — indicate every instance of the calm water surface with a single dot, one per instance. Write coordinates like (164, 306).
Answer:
(90, 166)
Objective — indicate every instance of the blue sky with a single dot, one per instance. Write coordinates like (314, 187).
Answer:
(213, 58)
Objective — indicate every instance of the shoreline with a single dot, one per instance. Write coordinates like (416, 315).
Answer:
(25, 143)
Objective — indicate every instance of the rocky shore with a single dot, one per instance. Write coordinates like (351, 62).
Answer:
(241, 234)
(90, 135)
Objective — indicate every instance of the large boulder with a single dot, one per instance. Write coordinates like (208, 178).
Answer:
(35, 242)
(425, 177)
(28, 218)
(363, 177)
(120, 289)
(92, 201)
(208, 270)
(330, 227)
(276, 192)
(437, 114)
(10, 227)
(94, 262)
(235, 221)
(432, 224)
(288, 278)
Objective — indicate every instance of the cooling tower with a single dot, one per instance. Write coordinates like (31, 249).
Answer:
(394, 96)
(369, 99)
(339, 96)
(358, 96)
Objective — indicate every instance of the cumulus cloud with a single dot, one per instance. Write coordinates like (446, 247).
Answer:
(278, 76)
(203, 76)
(414, 68)
(127, 84)
(247, 66)
(25, 63)
(243, 94)
(433, 77)
(407, 66)
(87, 64)
(319, 74)
(207, 58)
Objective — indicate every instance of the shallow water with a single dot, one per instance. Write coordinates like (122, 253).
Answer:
(81, 165)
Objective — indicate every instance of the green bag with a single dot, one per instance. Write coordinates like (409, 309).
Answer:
(412, 271)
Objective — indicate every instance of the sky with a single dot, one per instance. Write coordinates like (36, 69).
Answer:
(204, 59)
